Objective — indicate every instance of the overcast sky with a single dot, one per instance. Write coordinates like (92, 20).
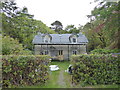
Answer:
(66, 11)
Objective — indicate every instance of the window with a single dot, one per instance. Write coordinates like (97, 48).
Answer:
(60, 52)
(46, 52)
(74, 52)
(74, 40)
(46, 39)
(41, 53)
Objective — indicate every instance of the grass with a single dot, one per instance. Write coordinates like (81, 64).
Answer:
(106, 86)
(61, 79)
(54, 77)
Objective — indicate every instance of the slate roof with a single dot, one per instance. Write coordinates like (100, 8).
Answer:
(59, 39)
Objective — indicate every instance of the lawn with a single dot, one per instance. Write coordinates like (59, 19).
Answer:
(61, 79)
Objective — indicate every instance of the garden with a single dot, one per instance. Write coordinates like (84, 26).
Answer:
(89, 71)
(21, 68)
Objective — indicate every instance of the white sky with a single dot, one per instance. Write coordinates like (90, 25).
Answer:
(66, 11)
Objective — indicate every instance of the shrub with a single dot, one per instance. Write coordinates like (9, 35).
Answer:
(95, 69)
(10, 46)
(24, 70)
(105, 51)
(26, 52)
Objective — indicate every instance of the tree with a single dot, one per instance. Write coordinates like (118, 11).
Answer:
(19, 24)
(57, 26)
(72, 29)
(69, 27)
(10, 46)
(109, 14)
(103, 29)
(11, 10)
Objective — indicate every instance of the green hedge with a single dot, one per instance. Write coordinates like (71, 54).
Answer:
(105, 51)
(24, 70)
(95, 69)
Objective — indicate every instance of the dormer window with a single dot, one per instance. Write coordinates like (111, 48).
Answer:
(74, 40)
(47, 39)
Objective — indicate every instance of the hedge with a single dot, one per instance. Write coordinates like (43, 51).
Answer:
(104, 51)
(24, 70)
(95, 69)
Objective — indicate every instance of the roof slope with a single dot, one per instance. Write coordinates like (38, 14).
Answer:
(60, 39)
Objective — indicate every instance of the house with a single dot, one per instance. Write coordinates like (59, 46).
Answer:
(60, 46)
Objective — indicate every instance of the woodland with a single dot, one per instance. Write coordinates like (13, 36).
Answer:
(19, 27)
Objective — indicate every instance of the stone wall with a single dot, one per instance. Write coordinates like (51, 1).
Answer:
(53, 50)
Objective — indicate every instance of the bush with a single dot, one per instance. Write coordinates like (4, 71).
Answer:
(95, 69)
(105, 51)
(26, 52)
(24, 70)
(10, 46)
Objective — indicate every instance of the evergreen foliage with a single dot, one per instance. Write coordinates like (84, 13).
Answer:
(19, 24)
(24, 70)
(95, 69)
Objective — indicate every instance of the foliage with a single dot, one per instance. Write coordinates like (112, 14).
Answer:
(103, 29)
(55, 76)
(95, 69)
(18, 23)
(10, 46)
(72, 29)
(105, 51)
(24, 70)
(57, 26)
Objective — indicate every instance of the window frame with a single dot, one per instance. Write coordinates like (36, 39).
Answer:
(47, 38)
(46, 52)
(74, 40)
(74, 52)
(60, 52)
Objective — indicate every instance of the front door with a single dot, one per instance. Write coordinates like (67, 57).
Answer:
(53, 53)
(60, 54)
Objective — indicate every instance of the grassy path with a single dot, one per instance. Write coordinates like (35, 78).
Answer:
(57, 79)
(61, 81)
